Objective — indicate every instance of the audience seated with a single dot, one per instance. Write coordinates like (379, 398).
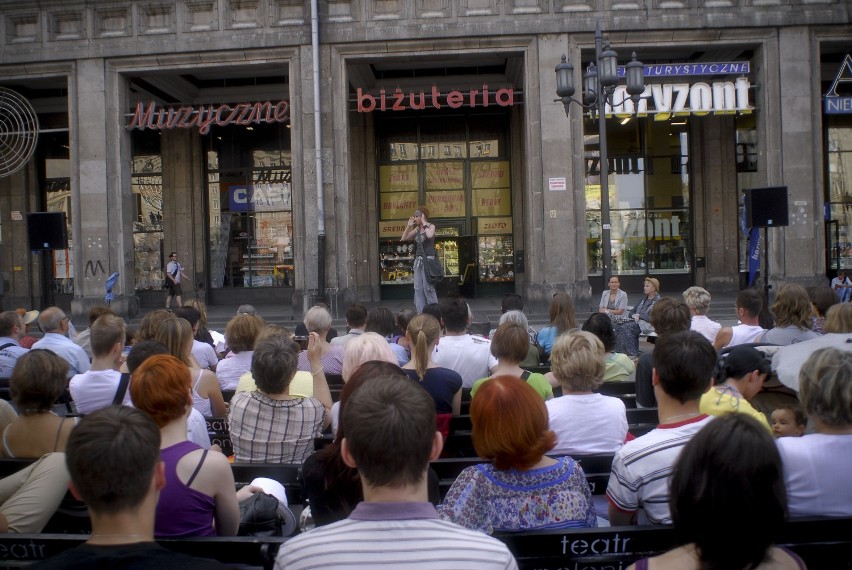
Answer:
(99, 386)
(683, 367)
(523, 488)
(509, 345)
(114, 461)
(269, 425)
(390, 439)
(202, 334)
(561, 314)
(11, 328)
(83, 338)
(668, 316)
(380, 321)
(817, 465)
(203, 353)
(331, 487)
(31, 326)
(613, 299)
(585, 423)
(749, 307)
(822, 299)
(533, 356)
(792, 310)
(698, 301)
(36, 383)
(732, 462)
(176, 335)
(196, 425)
(402, 319)
(619, 367)
(240, 334)
(443, 384)
(742, 375)
(514, 303)
(318, 320)
(368, 346)
(302, 383)
(356, 317)
(788, 420)
(199, 491)
(56, 325)
(468, 355)
(638, 320)
(30, 497)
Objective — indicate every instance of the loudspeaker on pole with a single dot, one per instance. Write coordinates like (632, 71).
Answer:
(766, 207)
(47, 230)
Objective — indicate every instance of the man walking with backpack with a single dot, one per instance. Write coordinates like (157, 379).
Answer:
(174, 271)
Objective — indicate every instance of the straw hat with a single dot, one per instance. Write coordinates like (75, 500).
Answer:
(30, 316)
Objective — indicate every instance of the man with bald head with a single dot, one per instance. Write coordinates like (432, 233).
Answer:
(54, 323)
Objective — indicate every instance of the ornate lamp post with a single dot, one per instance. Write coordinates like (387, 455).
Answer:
(599, 83)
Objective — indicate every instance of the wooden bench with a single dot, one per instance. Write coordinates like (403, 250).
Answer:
(220, 434)
(245, 551)
(821, 542)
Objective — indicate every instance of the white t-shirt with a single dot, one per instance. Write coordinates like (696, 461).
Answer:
(642, 467)
(96, 389)
(816, 472)
(587, 423)
(196, 429)
(204, 354)
(468, 355)
(229, 370)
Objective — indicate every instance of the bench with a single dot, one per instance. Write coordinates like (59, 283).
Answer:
(245, 551)
(220, 434)
(821, 542)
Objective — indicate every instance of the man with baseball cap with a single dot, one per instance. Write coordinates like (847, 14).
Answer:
(742, 374)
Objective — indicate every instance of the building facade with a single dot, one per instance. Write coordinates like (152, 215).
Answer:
(279, 146)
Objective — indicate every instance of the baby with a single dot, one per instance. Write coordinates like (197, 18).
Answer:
(788, 420)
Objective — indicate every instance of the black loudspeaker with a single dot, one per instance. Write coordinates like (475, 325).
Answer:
(766, 207)
(46, 230)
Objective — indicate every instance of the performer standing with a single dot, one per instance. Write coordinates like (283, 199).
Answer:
(423, 233)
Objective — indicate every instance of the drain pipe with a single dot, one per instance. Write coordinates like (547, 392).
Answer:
(315, 49)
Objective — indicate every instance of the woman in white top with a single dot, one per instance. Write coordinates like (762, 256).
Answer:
(698, 301)
(176, 335)
(584, 422)
(240, 336)
(817, 465)
(613, 300)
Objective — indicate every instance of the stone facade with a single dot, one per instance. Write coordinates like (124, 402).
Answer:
(92, 47)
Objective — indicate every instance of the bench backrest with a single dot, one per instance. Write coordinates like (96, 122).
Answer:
(220, 434)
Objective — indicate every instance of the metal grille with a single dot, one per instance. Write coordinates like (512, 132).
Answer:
(18, 131)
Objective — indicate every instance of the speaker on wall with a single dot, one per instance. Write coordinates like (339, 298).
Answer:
(46, 230)
(766, 207)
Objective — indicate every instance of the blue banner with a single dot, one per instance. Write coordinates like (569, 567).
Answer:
(753, 254)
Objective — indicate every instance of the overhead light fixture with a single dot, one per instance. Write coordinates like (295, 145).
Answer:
(626, 120)
(680, 123)
(249, 128)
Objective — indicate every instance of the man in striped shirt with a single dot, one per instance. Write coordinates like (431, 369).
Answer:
(390, 438)
(683, 371)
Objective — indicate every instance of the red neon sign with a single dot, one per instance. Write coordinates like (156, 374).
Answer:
(205, 116)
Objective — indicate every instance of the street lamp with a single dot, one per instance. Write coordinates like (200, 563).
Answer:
(599, 83)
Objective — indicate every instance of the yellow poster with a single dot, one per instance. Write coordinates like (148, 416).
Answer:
(398, 178)
(490, 174)
(444, 175)
(398, 205)
(446, 204)
(492, 202)
(494, 226)
(392, 229)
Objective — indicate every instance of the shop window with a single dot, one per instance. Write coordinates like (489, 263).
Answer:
(648, 166)
(839, 191)
(250, 210)
(146, 182)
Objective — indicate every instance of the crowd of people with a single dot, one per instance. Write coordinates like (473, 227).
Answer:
(728, 412)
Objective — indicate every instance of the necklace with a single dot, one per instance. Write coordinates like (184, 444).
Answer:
(681, 416)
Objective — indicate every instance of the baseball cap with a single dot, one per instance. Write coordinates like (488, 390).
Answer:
(744, 359)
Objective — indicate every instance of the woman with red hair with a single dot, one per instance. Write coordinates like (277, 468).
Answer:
(199, 498)
(523, 488)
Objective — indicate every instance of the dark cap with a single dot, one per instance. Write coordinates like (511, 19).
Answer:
(742, 360)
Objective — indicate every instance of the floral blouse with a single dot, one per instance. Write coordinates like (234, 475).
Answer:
(487, 499)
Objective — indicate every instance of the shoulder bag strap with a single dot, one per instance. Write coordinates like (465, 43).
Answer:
(526, 375)
(122, 389)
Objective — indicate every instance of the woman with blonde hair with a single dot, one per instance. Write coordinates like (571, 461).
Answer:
(176, 335)
(562, 319)
(443, 384)
(240, 336)
(838, 319)
(638, 320)
(792, 309)
(584, 422)
(203, 333)
(698, 301)
(318, 320)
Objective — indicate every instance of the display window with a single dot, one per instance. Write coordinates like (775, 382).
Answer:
(649, 191)
(250, 207)
(146, 183)
(458, 169)
(839, 192)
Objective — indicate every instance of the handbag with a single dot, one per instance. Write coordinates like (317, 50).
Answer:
(264, 515)
(434, 270)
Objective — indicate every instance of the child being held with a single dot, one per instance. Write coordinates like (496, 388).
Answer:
(788, 420)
